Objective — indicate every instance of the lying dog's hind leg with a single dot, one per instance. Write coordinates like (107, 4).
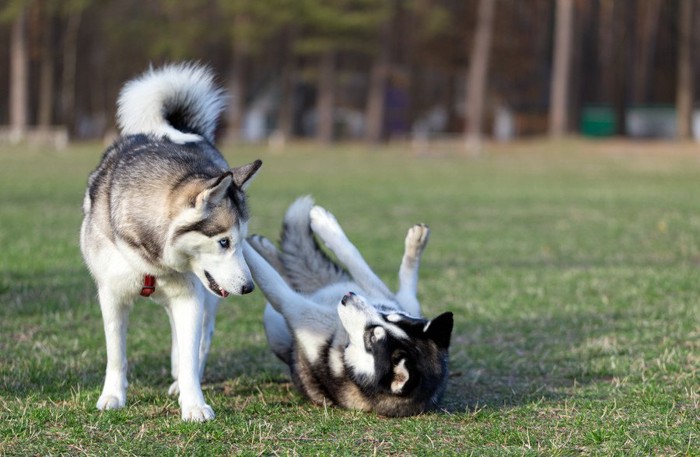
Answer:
(325, 225)
(416, 240)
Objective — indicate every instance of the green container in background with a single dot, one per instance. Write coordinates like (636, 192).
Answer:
(598, 121)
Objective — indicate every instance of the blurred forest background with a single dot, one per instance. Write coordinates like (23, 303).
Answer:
(362, 69)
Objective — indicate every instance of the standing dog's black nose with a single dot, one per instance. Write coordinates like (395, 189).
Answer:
(247, 288)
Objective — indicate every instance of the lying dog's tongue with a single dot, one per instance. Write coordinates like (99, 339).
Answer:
(215, 287)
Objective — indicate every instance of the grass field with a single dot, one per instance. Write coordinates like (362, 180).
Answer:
(573, 270)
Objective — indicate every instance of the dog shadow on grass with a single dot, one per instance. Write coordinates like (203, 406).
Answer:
(521, 361)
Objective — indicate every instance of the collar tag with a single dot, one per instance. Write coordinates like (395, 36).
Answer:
(149, 285)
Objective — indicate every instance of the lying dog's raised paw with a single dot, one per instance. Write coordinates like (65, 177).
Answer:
(324, 224)
(416, 239)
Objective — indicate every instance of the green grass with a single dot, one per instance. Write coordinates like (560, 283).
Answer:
(573, 270)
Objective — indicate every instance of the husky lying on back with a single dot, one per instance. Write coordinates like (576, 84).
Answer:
(346, 338)
(165, 217)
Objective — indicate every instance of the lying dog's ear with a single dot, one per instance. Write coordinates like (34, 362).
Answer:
(440, 330)
(243, 175)
(215, 191)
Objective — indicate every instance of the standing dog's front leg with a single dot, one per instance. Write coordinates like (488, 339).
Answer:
(115, 316)
(174, 388)
(187, 315)
(211, 305)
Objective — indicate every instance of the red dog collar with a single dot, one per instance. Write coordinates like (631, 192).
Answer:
(149, 285)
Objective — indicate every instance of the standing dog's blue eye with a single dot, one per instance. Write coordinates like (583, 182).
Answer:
(225, 243)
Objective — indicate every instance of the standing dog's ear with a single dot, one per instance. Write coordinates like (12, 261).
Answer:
(215, 191)
(243, 175)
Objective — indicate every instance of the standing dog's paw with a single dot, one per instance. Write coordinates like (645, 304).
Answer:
(197, 413)
(417, 239)
(108, 401)
(174, 388)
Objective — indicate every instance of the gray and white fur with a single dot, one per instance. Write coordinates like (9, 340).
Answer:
(347, 339)
(164, 203)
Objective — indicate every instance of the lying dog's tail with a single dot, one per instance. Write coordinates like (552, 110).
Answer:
(180, 102)
(308, 267)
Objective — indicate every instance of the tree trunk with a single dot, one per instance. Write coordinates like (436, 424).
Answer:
(647, 31)
(605, 52)
(374, 113)
(623, 20)
(477, 74)
(375, 108)
(286, 109)
(237, 92)
(19, 73)
(70, 61)
(326, 98)
(237, 86)
(46, 92)
(684, 89)
(561, 69)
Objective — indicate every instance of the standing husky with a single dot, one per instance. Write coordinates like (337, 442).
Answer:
(367, 349)
(165, 217)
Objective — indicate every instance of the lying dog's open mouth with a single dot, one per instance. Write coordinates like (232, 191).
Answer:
(215, 287)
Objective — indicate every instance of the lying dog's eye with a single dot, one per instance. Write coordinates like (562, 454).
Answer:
(377, 333)
(225, 243)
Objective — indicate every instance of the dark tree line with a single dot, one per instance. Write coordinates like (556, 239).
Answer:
(372, 69)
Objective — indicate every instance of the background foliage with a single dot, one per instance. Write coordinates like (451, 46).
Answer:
(623, 54)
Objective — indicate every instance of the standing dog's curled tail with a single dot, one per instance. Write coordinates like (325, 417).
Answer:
(179, 101)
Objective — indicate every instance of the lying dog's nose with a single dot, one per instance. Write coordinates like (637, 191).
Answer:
(247, 288)
(347, 297)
